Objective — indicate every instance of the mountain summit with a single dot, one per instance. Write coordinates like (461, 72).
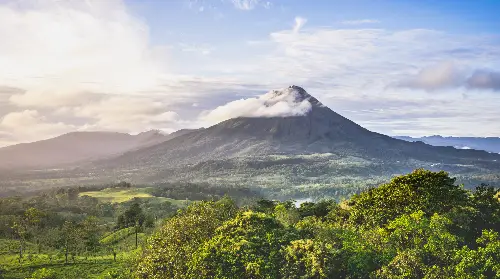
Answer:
(299, 93)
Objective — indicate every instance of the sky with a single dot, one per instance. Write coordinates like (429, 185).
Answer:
(395, 67)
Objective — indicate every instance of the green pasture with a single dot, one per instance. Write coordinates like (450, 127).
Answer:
(119, 195)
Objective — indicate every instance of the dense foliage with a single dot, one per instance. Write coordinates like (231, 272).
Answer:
(420, 225)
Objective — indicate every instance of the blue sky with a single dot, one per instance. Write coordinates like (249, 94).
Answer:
(395, 67)
(221, 20)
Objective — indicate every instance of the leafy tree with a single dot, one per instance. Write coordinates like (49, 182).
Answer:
(168, 251)
(91, 234)
(265, 206)
(308, 258)
(407, 264)
(24, 226)
(423, 247)
(71, 239)
(430, 192)
(131, 217)
(287, 213)
(319, 209)
(485, 201)
(481, 263)
(248, 246)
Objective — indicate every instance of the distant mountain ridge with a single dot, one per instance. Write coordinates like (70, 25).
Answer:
(76, 147)
(490, 144)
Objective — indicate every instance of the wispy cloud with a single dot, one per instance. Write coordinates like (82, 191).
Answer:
(360, 21)
(196, 48)
(247, 4)
(299, 23)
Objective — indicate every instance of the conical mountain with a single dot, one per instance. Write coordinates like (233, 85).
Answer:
(308, 127)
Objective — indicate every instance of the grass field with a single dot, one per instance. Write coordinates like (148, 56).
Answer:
(101, 266)
(90, 267)
(119, 195)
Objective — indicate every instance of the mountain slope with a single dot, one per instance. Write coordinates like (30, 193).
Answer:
(75, 147)
(320, 130)
(490, 144)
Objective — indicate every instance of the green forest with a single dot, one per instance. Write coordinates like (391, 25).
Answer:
(419, 225)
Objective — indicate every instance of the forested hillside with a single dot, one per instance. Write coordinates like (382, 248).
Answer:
(419, 225)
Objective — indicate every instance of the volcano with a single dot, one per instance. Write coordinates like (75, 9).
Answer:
(314, 129)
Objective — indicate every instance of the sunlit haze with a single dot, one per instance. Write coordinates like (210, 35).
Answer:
(395, 67)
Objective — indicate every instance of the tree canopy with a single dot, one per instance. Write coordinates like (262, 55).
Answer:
(420, 225)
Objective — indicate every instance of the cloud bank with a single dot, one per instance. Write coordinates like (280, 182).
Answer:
(442, 75)
(449, 75)
(484, 79)
(276, 103)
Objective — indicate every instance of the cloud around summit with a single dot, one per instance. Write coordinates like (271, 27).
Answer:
(276, 103)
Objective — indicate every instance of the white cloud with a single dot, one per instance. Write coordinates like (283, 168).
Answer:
(299, 23)
(127, 114)
(29, 125)
(276, 103)
(51, 98)
(360, 21)
(80, 46)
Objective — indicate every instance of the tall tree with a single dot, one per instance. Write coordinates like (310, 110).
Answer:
(70, 237)
(131, 217)
(24, 225)
(91, 234)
